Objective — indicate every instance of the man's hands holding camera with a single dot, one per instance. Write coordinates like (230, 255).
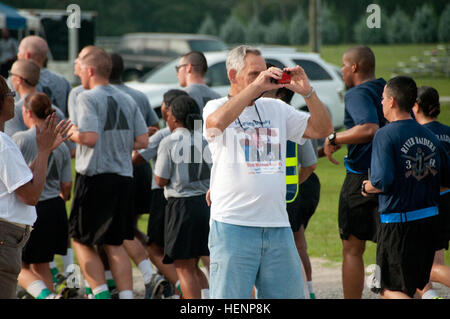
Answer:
(294, 79)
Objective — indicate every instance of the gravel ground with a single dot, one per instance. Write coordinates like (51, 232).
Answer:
(327, 282)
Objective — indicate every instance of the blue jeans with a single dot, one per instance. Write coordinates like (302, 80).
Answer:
(243, 257)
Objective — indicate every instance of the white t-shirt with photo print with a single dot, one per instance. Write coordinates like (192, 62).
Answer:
(14, 173)
(248, 177)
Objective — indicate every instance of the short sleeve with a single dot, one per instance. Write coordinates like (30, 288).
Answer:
(382, 163)
(66, 175)
(14, 172)
(361, 108)
(306, 154)
(140, 127)
(87, 114)
(163, 166)
(296, 123)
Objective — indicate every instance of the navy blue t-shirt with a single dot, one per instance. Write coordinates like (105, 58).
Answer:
(442, 133)
(363, 105)
(408, 165)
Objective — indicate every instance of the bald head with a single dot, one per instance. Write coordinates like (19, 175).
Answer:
(34, 48)
(28, 70)
(99, 60)
(363, 57)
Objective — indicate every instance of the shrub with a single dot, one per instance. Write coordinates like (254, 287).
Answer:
(232, 31)
(444, 25)
(298, 29)
(276, 33)
(423, 28)
(208, 26)
(255, 31)
(329, 28)
(398, 27)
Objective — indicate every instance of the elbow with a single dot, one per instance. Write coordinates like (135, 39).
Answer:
(141, 142)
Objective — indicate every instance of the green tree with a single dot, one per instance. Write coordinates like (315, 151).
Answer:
(208, 26)
(232, 31)
(398, 27)
(444, 25)
(276, 33)
(329, 28)
(424, 28)
(254, 33)
(298, 29)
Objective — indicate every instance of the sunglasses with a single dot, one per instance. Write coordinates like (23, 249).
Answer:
(178, 67)
(26, 81)
(11, 93)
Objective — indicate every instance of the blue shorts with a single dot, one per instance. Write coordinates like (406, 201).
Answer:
(264, 257)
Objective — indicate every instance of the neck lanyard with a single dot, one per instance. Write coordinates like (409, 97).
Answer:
(257, 112)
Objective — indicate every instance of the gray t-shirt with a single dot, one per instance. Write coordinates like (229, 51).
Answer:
(201, 94)
(149, 114)
(184, 164)
(306, 154)
(59, 168)
(72, 100)
(56, 87)
(150, 153)
(115, 117)
(17, 124)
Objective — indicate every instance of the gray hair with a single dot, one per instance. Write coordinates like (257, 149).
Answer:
(236, 57)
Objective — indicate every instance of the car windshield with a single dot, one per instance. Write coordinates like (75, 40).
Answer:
(164, 74)
(207, 45)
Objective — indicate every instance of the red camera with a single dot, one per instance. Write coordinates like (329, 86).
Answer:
(285, 79)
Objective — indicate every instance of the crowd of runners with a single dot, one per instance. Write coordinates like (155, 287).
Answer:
(228, 182)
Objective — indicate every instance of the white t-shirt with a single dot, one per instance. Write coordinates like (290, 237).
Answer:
(14, 172)
(248, 177)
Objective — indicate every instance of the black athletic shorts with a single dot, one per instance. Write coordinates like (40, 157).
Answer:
(102, 209)
(186, 228)
(358, 215)
(304, 206)
(50, 232)
(155, 226)
(142, 185)
(405, 254)
(444, 222)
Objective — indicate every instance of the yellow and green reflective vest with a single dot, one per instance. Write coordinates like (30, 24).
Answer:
(291, 172)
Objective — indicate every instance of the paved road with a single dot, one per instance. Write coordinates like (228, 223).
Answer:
(326, 279)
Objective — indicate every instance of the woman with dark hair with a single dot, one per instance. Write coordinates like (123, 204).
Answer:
(50, 231)
(20, 188)
(182, 170)
(426, 111)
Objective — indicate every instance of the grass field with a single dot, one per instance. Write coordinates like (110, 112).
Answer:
(322, 233)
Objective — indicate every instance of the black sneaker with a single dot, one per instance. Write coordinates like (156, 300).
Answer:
(156, 287)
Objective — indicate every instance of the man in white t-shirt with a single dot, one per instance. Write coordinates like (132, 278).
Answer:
(20, 189)
(251, 242)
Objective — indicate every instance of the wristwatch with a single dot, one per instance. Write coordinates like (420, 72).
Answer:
(332, 138)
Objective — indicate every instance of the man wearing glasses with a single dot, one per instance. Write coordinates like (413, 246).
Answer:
(24, 77)
(191, 70)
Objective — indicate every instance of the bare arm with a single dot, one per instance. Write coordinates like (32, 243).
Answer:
(369, 189)
(319, 124)
(88, 139)
(161, 182)
(305, 172)
(358, 134)
(66, 189)
(141, 142)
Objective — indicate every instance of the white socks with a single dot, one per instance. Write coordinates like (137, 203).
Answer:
(146, 270)
(39, 290)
